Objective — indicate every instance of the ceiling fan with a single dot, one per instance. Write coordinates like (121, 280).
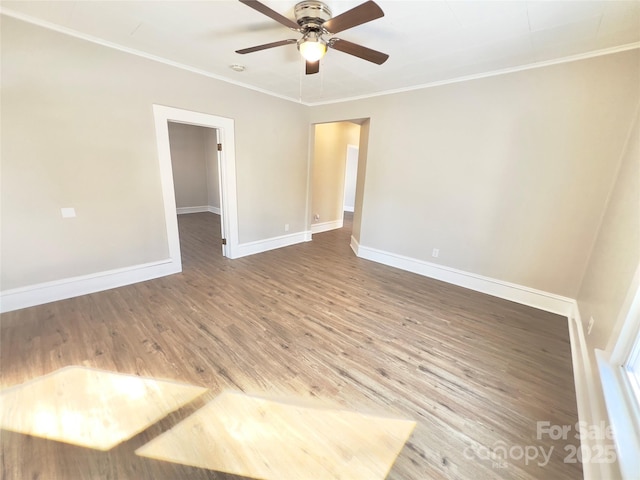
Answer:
(313, 21)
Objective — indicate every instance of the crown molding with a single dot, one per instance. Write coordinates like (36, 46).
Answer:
(105, 43)
(155, 58)
(493, 73)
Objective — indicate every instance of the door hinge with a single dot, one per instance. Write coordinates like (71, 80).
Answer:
(224, 241)
(219, 147)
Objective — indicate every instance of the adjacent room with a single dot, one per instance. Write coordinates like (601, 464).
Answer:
(416, 257)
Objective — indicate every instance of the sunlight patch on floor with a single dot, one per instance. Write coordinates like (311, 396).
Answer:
(271, 440)
(89, 407)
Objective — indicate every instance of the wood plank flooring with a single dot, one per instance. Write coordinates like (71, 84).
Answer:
(311, 321)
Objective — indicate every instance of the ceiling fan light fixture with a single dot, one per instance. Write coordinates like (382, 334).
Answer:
(312, 47)
(313, 21)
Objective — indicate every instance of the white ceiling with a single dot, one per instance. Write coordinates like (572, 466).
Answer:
(429, 42)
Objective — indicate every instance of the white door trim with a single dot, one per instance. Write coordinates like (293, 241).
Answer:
(229, 205)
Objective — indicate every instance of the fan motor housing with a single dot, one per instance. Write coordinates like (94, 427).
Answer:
(311, 14)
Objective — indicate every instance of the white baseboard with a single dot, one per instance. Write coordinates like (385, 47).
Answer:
(259, 246)
(184, 210)
(355, 246)
(326, 226)
(591, 412)
(348, 209)
(509, 291)
(40, 293)
(200, 209)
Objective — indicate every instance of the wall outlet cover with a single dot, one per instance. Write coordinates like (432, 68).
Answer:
(68, 212)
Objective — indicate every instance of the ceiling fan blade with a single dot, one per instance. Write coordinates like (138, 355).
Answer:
(356, 16)
(358, 51)
(312, 67)
(262, 8)
(257, 48)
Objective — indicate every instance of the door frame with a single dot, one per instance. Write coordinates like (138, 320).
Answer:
(225, 128)
(350, 149)
(363, 149)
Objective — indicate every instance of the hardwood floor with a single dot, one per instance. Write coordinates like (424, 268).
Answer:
(311, 321)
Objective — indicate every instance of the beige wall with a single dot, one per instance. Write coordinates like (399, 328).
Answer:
(189, 164)
(78, 131)
(616, 253)
(507, 175)
(194, 161)
(328, 172)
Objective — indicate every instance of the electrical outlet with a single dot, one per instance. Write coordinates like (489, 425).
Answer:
(435, 253)
(68, 212)
(286, 227)
(590, 326)
(316, 217)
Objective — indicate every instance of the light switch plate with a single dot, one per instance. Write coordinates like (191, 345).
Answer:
(68, 212)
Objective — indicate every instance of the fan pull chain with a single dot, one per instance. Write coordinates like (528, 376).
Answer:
(322, 83)
(300, 81)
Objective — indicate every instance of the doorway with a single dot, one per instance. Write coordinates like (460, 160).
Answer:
(195, 164)
(225, 138)
(334, 174)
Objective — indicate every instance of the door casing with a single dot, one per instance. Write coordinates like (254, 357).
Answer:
(225, 129)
